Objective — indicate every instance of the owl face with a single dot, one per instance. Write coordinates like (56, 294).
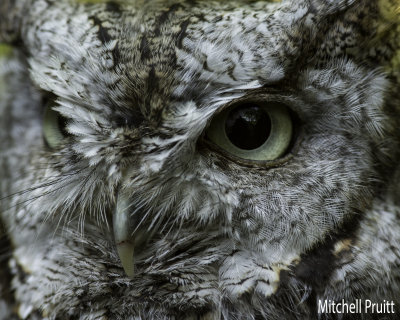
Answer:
(171, 159)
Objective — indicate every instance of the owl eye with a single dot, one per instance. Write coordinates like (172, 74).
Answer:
(253, 131)
(54, 126)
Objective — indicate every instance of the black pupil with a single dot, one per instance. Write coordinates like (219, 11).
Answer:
(248, 126)
(62, 125)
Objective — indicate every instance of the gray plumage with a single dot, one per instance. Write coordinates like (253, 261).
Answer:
(136, 87)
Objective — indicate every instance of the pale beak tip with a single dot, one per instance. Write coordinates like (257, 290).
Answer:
(125, 252)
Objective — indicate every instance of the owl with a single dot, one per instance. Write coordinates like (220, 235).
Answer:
(214, 160)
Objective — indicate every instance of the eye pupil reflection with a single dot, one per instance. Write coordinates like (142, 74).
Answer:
(248, 126)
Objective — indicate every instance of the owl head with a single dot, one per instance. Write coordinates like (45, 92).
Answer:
(230, 160)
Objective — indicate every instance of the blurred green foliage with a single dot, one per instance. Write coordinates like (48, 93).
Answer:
(4, 49)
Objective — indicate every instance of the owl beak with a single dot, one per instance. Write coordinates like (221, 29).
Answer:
(123, 235)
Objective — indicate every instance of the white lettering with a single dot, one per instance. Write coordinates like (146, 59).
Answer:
(368, 304)
(322, 308)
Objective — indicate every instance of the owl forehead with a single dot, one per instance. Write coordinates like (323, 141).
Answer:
(154, 55)
(183, 51)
